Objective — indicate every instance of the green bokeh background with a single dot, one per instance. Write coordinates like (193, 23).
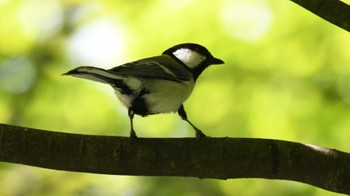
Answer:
(286, 76)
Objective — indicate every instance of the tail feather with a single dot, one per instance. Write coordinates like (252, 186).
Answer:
(123, 84)
(95, 74)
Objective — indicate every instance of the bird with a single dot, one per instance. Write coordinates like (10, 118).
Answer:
(154, 85)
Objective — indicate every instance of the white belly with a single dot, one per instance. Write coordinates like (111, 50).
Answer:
(167, 96)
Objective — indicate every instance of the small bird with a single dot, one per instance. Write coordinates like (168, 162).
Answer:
(154, 85)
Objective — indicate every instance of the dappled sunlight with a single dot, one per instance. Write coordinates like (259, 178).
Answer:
(246, 20)
(286, 76)
(17, 75)
(100, 43)
(41, 24)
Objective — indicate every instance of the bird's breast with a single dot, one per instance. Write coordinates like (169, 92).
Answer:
(166, 96)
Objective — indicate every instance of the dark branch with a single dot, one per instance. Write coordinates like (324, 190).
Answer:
(220, 158)
(334, 11)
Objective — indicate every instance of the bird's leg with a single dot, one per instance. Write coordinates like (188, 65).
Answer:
(183, 115)
(131, 117)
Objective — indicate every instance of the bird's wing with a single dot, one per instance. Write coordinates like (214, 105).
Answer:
(159, 67)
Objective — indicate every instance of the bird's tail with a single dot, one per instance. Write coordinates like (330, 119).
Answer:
(95, 74)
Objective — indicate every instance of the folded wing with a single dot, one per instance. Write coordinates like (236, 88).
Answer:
(160, 67)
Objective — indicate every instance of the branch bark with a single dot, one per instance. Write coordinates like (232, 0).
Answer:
(220, 158)
(333, 11)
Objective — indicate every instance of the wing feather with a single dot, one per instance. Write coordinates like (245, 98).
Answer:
(160, 67)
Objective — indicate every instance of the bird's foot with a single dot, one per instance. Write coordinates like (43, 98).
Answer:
(200, 134)
(133, 134)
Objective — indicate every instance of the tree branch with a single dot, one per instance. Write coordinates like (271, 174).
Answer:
(334, 11)
(220, 158)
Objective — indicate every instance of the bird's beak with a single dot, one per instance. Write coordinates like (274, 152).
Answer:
(216, 61)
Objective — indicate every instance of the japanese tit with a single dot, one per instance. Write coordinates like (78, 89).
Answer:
(154, 85)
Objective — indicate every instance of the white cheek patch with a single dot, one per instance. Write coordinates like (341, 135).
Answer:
(189, 57)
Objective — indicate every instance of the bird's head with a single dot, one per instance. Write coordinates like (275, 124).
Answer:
(194, 56)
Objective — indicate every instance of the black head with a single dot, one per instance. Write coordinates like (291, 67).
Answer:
(194, 56)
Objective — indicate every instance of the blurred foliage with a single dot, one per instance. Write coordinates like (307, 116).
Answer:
(286, 76)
